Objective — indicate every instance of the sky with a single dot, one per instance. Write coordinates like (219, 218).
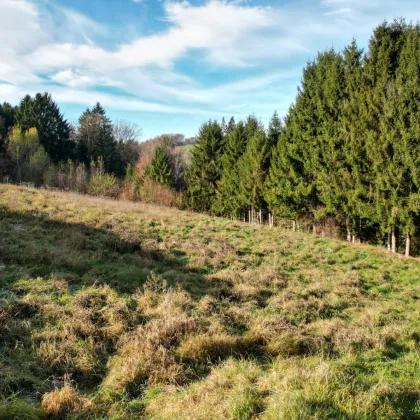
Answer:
(170, 65)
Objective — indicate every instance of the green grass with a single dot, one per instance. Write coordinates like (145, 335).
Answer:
(110, 309)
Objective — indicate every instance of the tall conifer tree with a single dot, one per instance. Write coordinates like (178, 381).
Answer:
(227, 202)
(205, 169)
(160, 169)
(53, 130)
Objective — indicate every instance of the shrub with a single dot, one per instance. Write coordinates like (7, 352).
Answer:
(103, 185)
(152, 192)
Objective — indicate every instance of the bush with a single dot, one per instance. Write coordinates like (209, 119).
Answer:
(152, 192)
(104, 185)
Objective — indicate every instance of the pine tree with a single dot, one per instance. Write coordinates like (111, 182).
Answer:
(160, 169)
(43, 113)
(205, 169)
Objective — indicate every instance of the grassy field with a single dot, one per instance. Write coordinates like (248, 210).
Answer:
(111, 309)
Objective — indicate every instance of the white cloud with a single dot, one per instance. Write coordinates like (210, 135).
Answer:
(49, 47)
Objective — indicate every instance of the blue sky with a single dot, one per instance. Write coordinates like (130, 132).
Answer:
(168, 65)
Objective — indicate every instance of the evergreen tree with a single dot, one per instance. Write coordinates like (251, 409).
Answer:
(251, 126)
(355, 175)
(227, 202)
(382, 137)
(406, 146)
(274, 130)
(96, 139)
(231, 126)
(7, 117)
(205, 169)
(6, 122)
(252, 173)
(286, 190)
(160, 169)
(325, 152)
(43, 113)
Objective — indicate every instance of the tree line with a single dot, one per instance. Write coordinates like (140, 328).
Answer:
(345, 158)
(347, 152)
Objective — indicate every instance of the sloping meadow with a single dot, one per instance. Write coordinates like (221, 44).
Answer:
(110, 309)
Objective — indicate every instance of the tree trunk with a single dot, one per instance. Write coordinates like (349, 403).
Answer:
(393, 239)
(314, 229)
(249, 215)
(348, 230)
(294, 226)
(261, 218)
(407, 245)
(388, 245)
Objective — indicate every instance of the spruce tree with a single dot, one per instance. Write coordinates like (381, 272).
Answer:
(160, 169)
(205, 169)
(382, 135)
(252, 173)
(7, 116)
(96, 139)
(286, 189)
(231, 126)
(227, 201)
(43, 113)
(406, 146)
(274, 130)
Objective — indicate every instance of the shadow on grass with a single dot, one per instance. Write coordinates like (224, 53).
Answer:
(33, 245)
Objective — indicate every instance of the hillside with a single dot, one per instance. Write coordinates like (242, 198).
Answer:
(111, 309)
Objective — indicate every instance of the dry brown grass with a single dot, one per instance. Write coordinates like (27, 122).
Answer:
(65, 401)
(159, 313)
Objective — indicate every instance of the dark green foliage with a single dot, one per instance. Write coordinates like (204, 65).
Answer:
(95, 139)
(252, 171)
(206, 167)
(43, 113)
(286, 189)
(228, 202)
(274, 130)
(7, 119)
(160, 169)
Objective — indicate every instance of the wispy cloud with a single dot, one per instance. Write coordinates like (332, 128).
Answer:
(259, 50)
